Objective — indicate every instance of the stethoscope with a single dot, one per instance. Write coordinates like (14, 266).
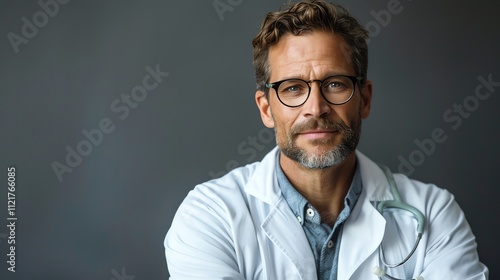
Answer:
(397, 203)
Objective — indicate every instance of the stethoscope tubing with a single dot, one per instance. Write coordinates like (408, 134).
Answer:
(397, 203)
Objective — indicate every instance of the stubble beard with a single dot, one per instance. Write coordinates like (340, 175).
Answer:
(332, 157)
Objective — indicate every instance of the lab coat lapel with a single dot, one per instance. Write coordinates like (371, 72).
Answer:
(364, 229)
(281, 225)
(286, 233)
(362, 234)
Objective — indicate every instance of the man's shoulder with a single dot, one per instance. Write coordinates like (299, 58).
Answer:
(252, 180)
(415, 186)
(379, 189)
(219, 204)
(430, 199)
(229, 184)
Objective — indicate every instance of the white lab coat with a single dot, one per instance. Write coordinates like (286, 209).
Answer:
(240, 227)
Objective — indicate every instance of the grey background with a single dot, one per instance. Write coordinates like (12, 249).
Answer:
(113, 210)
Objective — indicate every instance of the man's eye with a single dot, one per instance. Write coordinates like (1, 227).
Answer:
(335, 86)
(293, 88)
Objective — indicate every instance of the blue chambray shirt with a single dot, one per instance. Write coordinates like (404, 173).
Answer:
(324, 241)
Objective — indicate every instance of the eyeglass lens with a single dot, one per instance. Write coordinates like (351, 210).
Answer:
(336, 90)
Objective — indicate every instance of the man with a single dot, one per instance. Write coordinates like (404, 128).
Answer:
(309, 209)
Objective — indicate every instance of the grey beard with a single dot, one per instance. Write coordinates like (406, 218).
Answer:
(330, 158)
(312, 161)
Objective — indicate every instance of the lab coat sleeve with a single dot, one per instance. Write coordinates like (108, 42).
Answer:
(199, 244)
(451, 249)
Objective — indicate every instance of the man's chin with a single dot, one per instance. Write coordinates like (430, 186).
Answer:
(317, 148)
(318, 156)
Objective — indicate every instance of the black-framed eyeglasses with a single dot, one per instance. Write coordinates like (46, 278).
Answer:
(337, 90)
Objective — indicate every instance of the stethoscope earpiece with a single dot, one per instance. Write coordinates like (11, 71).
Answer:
(378, 271)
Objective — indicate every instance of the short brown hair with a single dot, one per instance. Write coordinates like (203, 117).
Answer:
(303, 18)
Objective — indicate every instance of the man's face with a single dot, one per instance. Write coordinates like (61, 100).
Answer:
(317, 134)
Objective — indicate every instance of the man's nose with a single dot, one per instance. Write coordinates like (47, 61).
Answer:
(316, 105)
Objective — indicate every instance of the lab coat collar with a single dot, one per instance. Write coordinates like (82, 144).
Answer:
(263, 184)
(374, 181)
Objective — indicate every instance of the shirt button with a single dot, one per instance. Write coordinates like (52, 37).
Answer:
(330, 244)
(299, 218)
(310, 212)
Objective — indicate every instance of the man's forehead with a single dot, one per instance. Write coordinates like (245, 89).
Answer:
(320, 50)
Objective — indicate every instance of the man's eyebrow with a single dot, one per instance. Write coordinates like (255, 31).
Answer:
(301, 77)
(290, 77)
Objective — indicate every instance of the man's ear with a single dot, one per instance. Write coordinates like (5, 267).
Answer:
(264, 108)
(366, 99)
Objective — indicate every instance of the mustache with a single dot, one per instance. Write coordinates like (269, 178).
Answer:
(322, 123)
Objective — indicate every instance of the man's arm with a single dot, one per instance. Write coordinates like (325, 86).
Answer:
(451, 251)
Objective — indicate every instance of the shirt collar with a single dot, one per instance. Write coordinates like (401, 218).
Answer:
(298, 203)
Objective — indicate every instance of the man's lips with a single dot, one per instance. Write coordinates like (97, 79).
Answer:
(316, 134)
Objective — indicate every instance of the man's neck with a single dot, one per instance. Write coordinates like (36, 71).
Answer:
(325, 188)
